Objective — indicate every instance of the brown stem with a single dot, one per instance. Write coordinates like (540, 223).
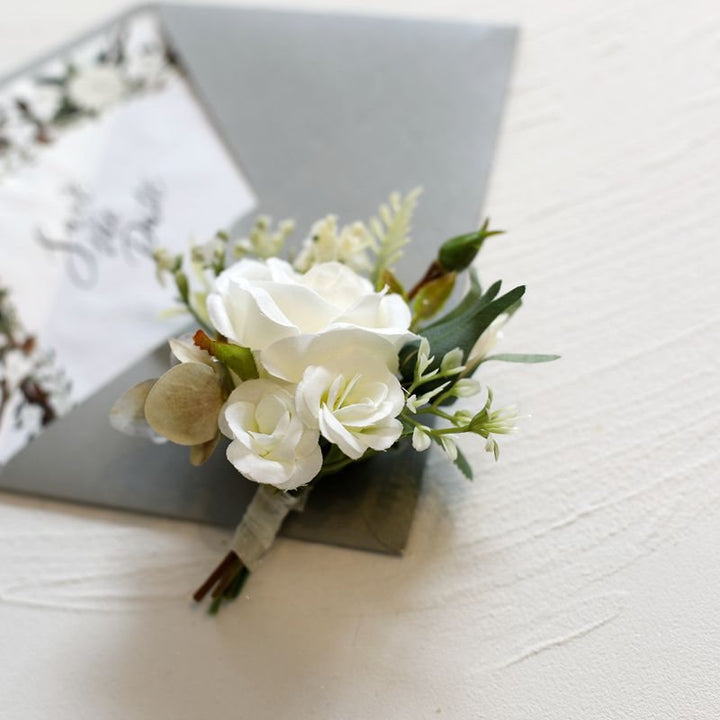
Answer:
(229, 575)
(216, 575)
(435, 271)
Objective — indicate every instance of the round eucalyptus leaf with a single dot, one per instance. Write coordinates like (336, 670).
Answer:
(184, 404)
(128, 414)
(200, 454)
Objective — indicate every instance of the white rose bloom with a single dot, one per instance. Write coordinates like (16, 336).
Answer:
(257, 303)
(269, 442)
(96, 87)
(346, 386)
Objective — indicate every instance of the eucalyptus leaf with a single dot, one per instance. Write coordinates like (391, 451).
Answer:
(200, 454)
(128, 414)
(184, 404)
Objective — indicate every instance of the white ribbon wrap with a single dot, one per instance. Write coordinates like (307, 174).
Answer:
(261, 523)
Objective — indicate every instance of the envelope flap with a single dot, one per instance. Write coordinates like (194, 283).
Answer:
(334, 112)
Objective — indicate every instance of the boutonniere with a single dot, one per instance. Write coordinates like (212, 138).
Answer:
(310, 365)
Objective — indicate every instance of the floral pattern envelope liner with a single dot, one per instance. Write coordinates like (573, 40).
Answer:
(105, 154)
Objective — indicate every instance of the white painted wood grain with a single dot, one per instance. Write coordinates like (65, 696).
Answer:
(579, 577)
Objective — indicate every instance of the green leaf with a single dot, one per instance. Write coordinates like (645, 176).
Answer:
(389, 279)
(235, 357)
(183, 286)
(461, 462)
(458, 330)
(522, 358)
(463, 465)
(473, 296)
(456, 254)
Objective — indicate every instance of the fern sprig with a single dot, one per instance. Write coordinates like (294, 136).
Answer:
(391, 231)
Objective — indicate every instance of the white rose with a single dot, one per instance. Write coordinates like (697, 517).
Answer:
(257, 303)
(346, 386)
(269, 442)
(96, 87)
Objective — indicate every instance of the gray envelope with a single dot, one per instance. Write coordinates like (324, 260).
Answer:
(323, 113)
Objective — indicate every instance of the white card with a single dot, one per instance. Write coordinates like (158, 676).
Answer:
(104, 157)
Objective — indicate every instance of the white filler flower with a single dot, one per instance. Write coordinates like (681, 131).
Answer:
(346, 386)
(96, 87)
(326, 243)
(257, 303)
(269, 442)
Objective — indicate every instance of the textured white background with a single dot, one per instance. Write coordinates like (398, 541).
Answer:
(577, 578)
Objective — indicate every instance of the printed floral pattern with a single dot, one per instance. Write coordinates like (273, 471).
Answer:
(33, 389)
(133, 59)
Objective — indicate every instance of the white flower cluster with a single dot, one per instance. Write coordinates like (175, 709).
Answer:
(326, 345)
(349, 245)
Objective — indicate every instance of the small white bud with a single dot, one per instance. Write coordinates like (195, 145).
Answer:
(423, 357)
(420, 439)
(452, 362)
(462, 417)
(449, 447)
(466, 388)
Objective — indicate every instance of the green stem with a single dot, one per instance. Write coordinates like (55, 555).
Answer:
(433, 431)
(344, 461)
(434, 411)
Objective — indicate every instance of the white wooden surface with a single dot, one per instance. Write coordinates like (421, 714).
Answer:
(577, 578)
